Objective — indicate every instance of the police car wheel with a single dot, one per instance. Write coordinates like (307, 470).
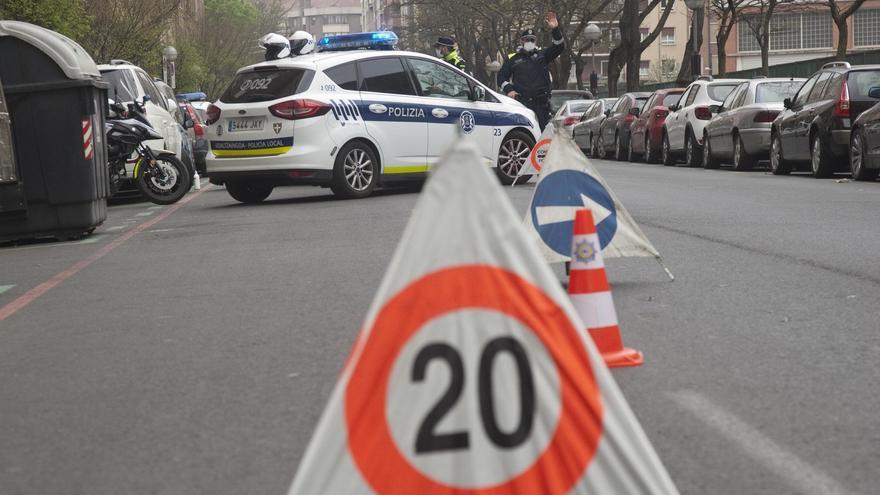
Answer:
(248, 192)
(512, 156)
(355, 170)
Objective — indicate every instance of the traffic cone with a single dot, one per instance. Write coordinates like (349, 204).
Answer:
(591, 295)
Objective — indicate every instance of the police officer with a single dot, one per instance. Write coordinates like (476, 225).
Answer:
(526, 76)
(445, 50)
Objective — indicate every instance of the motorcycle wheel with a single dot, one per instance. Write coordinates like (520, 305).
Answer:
(165, 184)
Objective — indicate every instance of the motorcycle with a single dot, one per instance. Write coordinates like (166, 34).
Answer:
(159, 175)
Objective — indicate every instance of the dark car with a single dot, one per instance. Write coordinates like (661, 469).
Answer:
(614, 131)
(814, 127)
(197, 135)
(864, 149)
(586, 132)
(646, 131)
(558, 97)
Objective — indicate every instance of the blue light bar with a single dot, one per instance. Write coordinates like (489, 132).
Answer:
(379, 40)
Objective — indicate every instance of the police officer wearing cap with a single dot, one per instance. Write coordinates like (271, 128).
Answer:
(445, 50)
(526, 75)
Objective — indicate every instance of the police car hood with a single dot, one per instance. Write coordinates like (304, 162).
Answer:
(507, 100)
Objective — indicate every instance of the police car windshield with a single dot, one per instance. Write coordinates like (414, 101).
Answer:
(266, 84)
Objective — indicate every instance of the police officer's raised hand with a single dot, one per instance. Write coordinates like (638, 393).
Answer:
(552, 22)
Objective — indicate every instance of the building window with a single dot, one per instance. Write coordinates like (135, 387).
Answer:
(788, 31)
(603, 68)
(644, 67)
(643, 33)
(866, 27)
(667, 36)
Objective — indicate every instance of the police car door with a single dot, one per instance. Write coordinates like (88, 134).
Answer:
(451, 113)
(393, 115)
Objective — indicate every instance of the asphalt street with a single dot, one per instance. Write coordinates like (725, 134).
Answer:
(191, 349)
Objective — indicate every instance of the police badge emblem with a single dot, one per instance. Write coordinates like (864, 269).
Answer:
(276, 127)
(467, 122)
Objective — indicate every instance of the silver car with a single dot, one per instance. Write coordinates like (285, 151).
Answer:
(570, 113)
(740, 132)
(586, 132)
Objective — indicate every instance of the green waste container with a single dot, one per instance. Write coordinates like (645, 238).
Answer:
(53, 170)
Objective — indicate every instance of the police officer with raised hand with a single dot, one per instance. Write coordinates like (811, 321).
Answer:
(445, 50)
(526, 76)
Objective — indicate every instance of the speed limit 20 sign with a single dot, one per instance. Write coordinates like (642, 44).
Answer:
(480, 391)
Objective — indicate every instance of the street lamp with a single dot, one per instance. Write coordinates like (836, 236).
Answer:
(593, 33)
(169, 56)
(697, 7)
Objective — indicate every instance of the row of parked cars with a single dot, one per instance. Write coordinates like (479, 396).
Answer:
(176, 117)
(826, 124)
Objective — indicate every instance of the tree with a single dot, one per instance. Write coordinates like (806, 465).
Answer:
(759, 24)
(727, 13)
(629, 51)
(839, 17)
(67, 17)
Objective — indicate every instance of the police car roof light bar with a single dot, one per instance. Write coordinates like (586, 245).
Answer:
(378, 40)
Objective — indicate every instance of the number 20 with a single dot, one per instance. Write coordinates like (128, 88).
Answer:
(429, 441)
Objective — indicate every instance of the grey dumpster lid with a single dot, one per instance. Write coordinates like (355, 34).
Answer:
(68, 54)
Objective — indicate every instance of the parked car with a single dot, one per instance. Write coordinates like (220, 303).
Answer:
(614, 131)
(814, 128)
(864, 151)
(184, 124)
(129, 83)
(586, 132)
(683, 129)
(570, 113)
(740, 131)
(560, 96)
(646, 131)
(197, 135)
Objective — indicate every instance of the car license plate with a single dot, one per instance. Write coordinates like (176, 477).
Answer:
(246, 124)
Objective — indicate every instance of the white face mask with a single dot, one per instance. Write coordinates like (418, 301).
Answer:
(529, 46)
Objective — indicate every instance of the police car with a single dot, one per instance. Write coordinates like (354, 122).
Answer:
(357, 115)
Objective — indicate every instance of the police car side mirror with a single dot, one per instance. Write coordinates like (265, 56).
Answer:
(188, 123)
(716, 108)
(786, 103)
(146, 99)
(607, 112)
(673, 108)
(478, 93)
(874, 92)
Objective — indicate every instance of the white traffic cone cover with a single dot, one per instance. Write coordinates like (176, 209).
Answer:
(472, 373)
(569, 182)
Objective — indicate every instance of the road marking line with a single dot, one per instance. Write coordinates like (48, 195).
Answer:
(4, 288)
(115, 228)
(91, 239)
(145, 213)
(156, 207)
(38, 291)
(797, 473)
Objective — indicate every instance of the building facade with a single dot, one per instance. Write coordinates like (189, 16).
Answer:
(324, 17)
(802, 32)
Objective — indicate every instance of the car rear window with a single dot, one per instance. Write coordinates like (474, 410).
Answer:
(719, 92)
(578, 107)
(266, 84)
(640, 102)
(123, 87)
(860, 82)
(775, 92)
(671, 99)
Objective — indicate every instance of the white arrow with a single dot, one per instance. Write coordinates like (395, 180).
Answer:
(556, 214)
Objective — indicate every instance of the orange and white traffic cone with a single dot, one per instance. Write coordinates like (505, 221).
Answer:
(591, 295)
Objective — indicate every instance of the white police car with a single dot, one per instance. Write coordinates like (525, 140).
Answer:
(353, 119)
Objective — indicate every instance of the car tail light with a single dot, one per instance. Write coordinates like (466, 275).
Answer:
(299, 109)
(213, 114)
(660, 113)
(199, 130)
(766, 116)
(703, 113)
(629, 118)
(569, 121)
(841, 108)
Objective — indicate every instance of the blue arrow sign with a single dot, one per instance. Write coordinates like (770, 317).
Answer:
(558, 196)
